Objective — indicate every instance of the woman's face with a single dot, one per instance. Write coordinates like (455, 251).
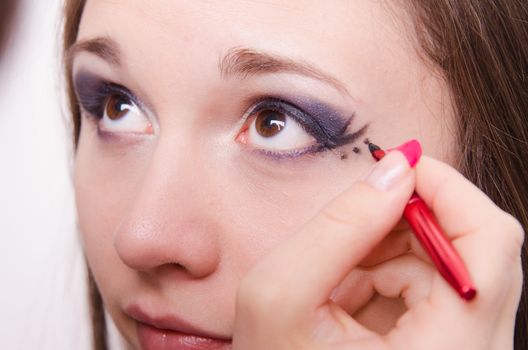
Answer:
(212, 130)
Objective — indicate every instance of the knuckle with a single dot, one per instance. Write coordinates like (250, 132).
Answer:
(518, 278)
(509, 236)
(513, 228)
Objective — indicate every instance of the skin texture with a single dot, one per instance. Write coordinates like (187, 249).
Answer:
(174, 218)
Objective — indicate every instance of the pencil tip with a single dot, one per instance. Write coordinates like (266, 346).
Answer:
(372, 147)
(468, 293)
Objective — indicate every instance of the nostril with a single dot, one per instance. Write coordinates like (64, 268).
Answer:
(177, 266)
(182, 248)
(172, 270)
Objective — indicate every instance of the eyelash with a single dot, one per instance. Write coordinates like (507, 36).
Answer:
(94, 99)
(326, 139)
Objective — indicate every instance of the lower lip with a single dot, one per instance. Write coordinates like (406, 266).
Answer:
(152, 338)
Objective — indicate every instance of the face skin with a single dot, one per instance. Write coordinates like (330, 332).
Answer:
(178, 199)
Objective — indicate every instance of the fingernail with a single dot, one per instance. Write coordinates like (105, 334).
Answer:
(388, 172)
(412, 150)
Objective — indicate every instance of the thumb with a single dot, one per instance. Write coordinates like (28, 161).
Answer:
(300, 274)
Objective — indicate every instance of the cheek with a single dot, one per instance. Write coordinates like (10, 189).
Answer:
(256, 211)
(269, 210)
(103, 192)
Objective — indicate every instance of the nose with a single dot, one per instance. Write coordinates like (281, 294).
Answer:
(170, 223)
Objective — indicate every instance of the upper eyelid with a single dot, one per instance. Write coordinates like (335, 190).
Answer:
(315, 129)
(117, 88)
(109, 87)
(278, 104)
(144, 106)
(328, 127)
(134, 96)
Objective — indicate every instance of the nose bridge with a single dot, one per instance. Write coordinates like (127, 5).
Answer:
(169, 221)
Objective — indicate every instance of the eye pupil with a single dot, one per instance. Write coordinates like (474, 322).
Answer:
(269, 123)
(116, 106)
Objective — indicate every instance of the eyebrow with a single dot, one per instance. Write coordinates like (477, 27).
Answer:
(104, 47)
(241, 62)
(244, 62)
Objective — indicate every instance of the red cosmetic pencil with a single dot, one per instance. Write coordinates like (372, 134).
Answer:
(434, 241)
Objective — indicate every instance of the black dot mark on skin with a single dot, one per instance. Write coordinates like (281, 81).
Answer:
(344, 156)
(356, 150)
(366, 141)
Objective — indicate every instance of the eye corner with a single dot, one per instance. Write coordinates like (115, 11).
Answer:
(128, 139)
(241, 136)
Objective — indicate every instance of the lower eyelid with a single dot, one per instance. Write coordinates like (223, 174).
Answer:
(287, 155)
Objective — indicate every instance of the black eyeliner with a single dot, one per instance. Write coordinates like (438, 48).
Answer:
(322, 122)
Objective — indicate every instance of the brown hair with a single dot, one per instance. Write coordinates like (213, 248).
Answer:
(481, 49)
(7, 9)
(73, 10)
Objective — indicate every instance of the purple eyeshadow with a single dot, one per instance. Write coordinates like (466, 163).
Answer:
(92, 92)
(323, 122)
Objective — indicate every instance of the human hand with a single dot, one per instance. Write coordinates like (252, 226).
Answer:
(285, 301)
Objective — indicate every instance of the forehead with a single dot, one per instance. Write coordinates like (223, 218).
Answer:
(310, 17)
(322, 31)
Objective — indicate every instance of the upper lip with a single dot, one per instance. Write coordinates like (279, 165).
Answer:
(170, 322)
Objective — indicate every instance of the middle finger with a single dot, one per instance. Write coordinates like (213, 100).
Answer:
(395, 285)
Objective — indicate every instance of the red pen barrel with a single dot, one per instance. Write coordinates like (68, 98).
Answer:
(438, 247)
(436, 244)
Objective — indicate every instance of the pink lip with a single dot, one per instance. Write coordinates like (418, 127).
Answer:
(172, 333)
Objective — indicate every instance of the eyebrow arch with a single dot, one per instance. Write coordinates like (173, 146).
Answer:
(237, 61)
(104, 47)
(244, 62)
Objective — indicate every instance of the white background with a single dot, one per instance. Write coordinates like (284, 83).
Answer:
(42, 284)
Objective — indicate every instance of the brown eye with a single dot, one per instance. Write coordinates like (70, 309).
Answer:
(269, 123)
(117, 106)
